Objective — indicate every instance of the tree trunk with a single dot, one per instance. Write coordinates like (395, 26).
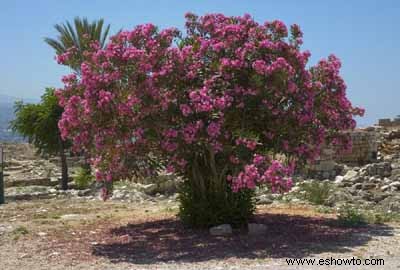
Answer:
(86, 165)
(206, 198)
(64, 167)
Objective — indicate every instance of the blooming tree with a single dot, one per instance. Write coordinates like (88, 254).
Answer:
(230, 105)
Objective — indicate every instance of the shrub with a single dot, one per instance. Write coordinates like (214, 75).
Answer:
(216, 207)
(231, 103)
(325, 209)
(83, 178)
(351, 216)
(316, 192)
(378, 217)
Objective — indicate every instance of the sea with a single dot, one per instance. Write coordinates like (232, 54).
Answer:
(7, 115)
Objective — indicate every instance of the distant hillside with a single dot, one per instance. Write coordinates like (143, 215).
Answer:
(6, 99)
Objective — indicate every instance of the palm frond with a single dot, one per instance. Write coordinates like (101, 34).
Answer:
(56, 45)
(74, 35)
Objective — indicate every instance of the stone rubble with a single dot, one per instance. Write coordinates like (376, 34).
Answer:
(373, 186)
(370, 180)
(30, 176)
(24, 167)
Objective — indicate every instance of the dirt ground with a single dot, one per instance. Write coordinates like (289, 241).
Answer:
(82, 234)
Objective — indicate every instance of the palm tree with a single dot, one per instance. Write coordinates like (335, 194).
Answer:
(79, 37)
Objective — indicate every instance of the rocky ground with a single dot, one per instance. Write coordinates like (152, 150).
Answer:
(374, 186)
(30, 176)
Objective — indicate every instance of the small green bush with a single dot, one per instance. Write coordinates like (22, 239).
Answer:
(377, 217)
(83, 178)
(316, 192)
(325, 209)
(350, 216)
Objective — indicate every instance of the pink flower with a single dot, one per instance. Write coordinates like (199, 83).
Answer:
(260, 66)
(217, 147)
(258, 159)
(169, 146)
(251, 144)
(181, 162)
(170, 168)
(221, 103)
(214, 129)
(185, 109)
(171, 133)
(190, 132)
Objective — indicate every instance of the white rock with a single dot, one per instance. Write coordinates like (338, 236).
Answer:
(295, 189)
(295, 200)
(119, 194)
(350, 175)
(395, 184)
(385, 187)
(396, 165)
(276, 196)
(264, 199)
(54, 254)
(339, 179)
(149, 189)
(5, 229)
(71, 217)
(221, 230)
(387, 181)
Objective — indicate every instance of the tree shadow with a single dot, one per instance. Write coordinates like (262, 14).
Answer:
(287, 237)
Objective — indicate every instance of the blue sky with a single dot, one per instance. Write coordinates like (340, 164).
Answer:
(363, 33)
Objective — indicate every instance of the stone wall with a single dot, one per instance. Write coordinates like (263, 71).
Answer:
(330, 164)
(325, 167)
(387, 122)
(364, 150)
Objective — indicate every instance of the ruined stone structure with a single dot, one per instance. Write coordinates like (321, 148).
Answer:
(325, 167)
(364, 150)
(330, 164)
(387, 122)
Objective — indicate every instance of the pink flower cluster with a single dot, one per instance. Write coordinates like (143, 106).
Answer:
(272, 173)
(233, 85)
